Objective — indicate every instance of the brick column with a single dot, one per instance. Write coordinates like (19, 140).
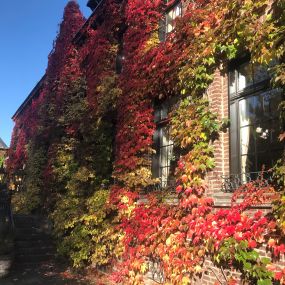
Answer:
(217, 94)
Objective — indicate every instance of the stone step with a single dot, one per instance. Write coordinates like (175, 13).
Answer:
(33, 237)
(36, 249)
(29, 231)
(29, 266)
(32, 226)
(34, 258)
(25, 221)
(33, 243)
(26, 218)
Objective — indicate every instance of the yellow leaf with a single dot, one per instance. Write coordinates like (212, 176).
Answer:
(168, 241)
(186, 280)
(198, 268)
(144, 268)
(203, 136)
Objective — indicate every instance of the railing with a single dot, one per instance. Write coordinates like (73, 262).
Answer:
(166, 186)
(229, 185)
(156, 270)
(234, 181)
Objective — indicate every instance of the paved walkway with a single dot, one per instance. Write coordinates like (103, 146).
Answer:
(41, 274)
(35, 261)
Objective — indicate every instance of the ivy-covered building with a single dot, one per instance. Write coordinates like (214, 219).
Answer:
(156, 136)
(3, 146)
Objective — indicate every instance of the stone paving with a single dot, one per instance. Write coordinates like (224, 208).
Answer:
(51, 273)
(35, 261)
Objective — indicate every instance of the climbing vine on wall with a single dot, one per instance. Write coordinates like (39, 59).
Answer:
(85, 142)
(180, 236)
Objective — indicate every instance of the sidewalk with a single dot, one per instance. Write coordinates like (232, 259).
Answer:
(51, 273)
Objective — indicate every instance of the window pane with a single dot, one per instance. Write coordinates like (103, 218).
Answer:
(247, 111)
(232, 83)
(255, 124)
(177, 11)
(234, 135)
(263, 136)
(171, 15)
(163, 160)
(258, 107)
(271, 101)
(164, 111)
(260, 73)
(155, 157)
(274, 134)
(164, 173)
(164, 177)
(169, 21)
(163, 157)
(157, 115)
(245, 78)
(164, 137)
(263, 161)
(247, 140)
(275, 155)
(161, 112)
(247, 163)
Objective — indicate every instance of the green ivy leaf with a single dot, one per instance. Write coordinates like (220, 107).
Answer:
(264, 282)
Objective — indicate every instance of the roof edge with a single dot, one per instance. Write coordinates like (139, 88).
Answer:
(78, 35)
(39, 84)
(31, 96)
(3, 145)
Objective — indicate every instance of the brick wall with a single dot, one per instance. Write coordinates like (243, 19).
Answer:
(217, 94)
(219, 103)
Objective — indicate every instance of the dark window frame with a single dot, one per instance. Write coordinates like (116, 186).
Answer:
(162, 121)
(254, 90)
(163, 33)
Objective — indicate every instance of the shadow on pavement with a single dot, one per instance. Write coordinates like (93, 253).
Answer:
(42, 274)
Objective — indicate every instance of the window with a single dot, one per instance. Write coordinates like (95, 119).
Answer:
(163, 163)
(255, 124)
(170, 16)
(168, 23)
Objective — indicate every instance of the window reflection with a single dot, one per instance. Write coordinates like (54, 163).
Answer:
(247, 111)
(247, 163)
(163, 161)
(171, 15)
(259, 129)
(260, 73)
(245, 76)
(161, 113)
(232, 83)
(165, 155)
(271, 100)
(246, 141)
(255, 119)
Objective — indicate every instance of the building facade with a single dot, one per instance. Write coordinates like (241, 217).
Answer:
(178, 86)
(3, 148)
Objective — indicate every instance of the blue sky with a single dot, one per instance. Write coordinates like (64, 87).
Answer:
(27, 30)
